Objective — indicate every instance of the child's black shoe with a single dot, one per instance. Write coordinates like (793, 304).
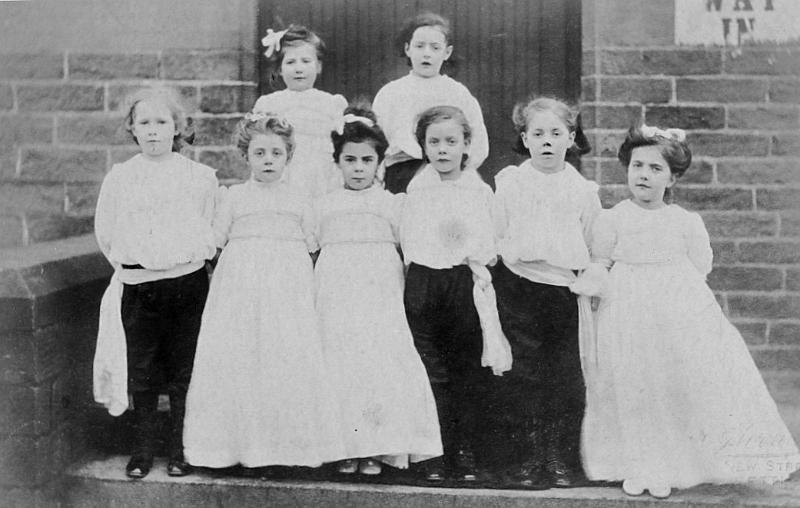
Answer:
(139, 465)
(177, 466)
(560, 475)
(464, 467)
(434, 470)
(527, 476)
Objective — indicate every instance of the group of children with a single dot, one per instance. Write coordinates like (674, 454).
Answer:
(479, 330)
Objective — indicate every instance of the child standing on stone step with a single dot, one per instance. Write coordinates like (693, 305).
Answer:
(153, 223)
(447, 236)
(673, 398)
(260, 394)
(427, 44)
(298, 53)
(388, 414)
(545, 211)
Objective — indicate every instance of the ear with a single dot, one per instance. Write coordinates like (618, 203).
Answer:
(406, 47)
(524, 139)
(319, 66)
(447, 52)
(672, 180)
(572, 137)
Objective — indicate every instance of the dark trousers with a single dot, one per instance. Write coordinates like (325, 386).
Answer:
(162, 320)
(448, 337)
(400, 174)
(542, 400)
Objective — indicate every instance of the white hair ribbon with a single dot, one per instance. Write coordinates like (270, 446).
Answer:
(350, 118)
(272, 42)
(649, 131)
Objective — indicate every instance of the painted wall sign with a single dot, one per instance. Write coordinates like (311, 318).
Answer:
(734, 22)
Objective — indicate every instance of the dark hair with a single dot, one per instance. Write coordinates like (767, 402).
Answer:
(439, 114)
(676, 152)
(524, 111)
(294, 36)
(169, 97)
(263, 123)
(424, 19)
(356, 131)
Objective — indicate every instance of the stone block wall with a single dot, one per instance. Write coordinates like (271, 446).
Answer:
(741, 110)
(61, 127)
(49, 299)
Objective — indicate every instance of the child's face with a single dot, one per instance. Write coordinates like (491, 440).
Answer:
(358, 163)
(445, 147)
(154, 129)
(649, 177)
(267, 157)
(547, 139)
(427, 51)
(300, 67)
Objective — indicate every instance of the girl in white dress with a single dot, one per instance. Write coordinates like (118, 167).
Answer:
(298, 53)
(674, 398)
(260, 394)
(388, 413)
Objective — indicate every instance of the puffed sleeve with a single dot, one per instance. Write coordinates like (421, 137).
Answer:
(479, 146)
(699, 245)
(223, 216)
(264, 104)
(604, 238)
(106, 212)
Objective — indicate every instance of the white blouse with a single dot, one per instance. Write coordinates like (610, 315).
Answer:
(448, 223)
(264, 210)
(399, 102)
(544, 221)
(156, 214)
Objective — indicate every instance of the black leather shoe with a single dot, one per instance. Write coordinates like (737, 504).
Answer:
(139, 466)
(528, 476)
(433, 470)
(177, 466)
(464, 468)
(560, 475)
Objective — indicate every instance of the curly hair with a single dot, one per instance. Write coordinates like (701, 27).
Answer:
(267, 123)
(675, 152)
(169, 97)
(360, 132)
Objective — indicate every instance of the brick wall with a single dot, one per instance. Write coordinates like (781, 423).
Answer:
(61, 127)
(741, 109)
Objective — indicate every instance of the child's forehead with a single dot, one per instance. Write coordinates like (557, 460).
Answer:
(545, 119)
(443, 126)
(266, 140)
(429, 33)
(151, 106)
(363, 147)
(300, 48)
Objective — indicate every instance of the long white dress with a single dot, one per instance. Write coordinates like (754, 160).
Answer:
(313, 114)
(260, 393)
(387, 406)
(675, 398)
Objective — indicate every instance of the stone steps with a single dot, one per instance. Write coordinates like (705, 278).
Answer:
(102, 483)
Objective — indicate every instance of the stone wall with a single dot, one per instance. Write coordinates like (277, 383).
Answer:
(49, 300)
(741, 109)
(62, 86)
